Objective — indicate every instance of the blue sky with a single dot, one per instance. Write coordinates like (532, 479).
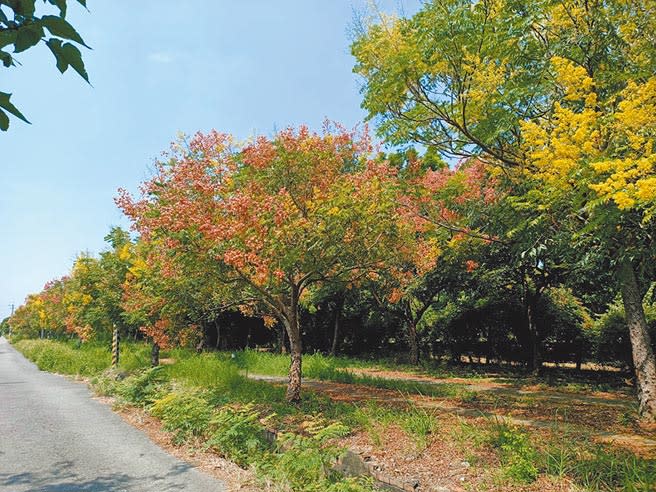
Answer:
(157, 67)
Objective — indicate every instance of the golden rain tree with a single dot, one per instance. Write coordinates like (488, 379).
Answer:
(274, 219)
(557, 95)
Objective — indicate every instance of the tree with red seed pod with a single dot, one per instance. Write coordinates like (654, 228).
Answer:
(274, 219)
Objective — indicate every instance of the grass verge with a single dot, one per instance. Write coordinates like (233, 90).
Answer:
(207, 399)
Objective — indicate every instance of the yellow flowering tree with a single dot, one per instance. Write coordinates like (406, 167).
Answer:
(595, 161)
(557, 95)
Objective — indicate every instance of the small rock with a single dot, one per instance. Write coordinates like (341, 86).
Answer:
(366, 450)
(410, 486)
(462, 479)
(465, 464)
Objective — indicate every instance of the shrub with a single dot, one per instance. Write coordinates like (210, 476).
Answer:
(518, 457)
(185, 414)
(304, 463)
(143, 387)
(420, 426)
(237, 434)
(614, 344)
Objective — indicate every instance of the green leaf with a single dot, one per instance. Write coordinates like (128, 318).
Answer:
(61, 28)
(4, 121)
(67, 55)
(7, 37)
(28, 36)
(6, 58)
(55, 46)
(9, 107)
(74, 59)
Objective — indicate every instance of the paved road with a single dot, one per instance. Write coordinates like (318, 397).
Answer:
(55, 438)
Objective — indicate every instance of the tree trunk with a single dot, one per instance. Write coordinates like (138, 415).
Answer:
(295, 371)
(218, 335)
(154, 355)
(281, 340)
(296, 348)
(535, 363)
(338, 315)
(412, 343)
(643, 354)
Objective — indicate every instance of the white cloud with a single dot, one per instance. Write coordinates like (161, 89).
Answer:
(161, 57)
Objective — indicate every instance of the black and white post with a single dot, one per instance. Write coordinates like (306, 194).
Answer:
(115, 347)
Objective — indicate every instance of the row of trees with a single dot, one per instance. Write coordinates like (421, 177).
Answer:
(529, 211)
(394, 262)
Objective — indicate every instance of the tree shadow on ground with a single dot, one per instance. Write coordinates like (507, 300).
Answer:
(62, 478)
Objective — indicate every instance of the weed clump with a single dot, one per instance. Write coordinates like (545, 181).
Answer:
(421, 426)
(186, 414)
(305, 462)
(238, 434)
(518, 457)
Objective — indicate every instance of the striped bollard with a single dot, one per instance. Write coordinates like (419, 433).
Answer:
(115, 348)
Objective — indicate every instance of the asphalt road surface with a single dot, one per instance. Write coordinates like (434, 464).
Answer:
(55, 438)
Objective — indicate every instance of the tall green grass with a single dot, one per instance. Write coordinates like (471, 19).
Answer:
(87, 359)
(204, 370)
(598, 468)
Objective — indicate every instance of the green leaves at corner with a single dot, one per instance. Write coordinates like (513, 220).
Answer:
(67, 55)
(7, 107)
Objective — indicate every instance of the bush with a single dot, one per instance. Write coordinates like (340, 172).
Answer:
(614, 344)
(238, 434)
(143, 388)
(304, 463)
(185, 414)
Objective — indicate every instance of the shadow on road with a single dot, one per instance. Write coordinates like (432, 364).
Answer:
(61, 479)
